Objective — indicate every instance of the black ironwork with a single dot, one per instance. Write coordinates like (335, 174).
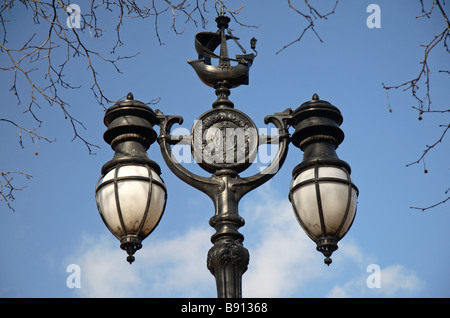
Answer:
(228, 259)
(224, 142)
(206, 43)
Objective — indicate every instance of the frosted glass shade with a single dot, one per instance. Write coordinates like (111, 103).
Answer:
(131, 200)
(324, 200)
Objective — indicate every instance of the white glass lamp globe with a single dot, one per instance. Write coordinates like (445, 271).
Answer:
(131, 199)
(324, 201)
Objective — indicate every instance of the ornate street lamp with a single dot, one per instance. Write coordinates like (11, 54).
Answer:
(131, 195)
(224, 141)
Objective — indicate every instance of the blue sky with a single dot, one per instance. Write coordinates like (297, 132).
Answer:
(56, 222)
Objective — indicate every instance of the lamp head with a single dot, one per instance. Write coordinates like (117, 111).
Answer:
(322, 193)
(130, 194)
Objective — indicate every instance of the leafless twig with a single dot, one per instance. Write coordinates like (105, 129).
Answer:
(310, 17)
(434, 205)
(429, 147)
(424, 102)
(31, 133)
(7, 188)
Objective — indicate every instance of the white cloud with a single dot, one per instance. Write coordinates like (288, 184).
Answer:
(180, 265)
(395, 281)
(167, 268)
(281, 259)
(103, 270)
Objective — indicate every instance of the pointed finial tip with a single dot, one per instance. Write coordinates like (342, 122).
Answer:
(130, 96)
(315, 96)
(130, 259)
(253, 43)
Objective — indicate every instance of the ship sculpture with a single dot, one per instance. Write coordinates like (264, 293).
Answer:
(224, 72)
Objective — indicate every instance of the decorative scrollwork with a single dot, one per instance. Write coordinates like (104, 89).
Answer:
(228, 252)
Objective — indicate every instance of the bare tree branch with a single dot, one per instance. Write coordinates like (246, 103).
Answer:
(310, 17)
(423, 77)
(424, 73)
(7, 188)
(31, 133)
(434, 205)
(428, 148)
(53, 38)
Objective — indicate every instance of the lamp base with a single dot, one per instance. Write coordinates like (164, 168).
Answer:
(327, 246)
(130, 244)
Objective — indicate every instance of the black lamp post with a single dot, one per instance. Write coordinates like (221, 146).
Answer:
(131, 196)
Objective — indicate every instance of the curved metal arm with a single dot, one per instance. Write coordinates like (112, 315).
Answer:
(280, 120)
(208, 185)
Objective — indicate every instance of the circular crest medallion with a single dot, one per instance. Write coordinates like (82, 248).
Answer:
(224, 139)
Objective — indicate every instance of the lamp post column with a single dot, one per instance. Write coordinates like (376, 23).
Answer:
(228, 258)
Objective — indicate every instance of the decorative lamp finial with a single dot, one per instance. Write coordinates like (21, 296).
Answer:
(207, 42)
